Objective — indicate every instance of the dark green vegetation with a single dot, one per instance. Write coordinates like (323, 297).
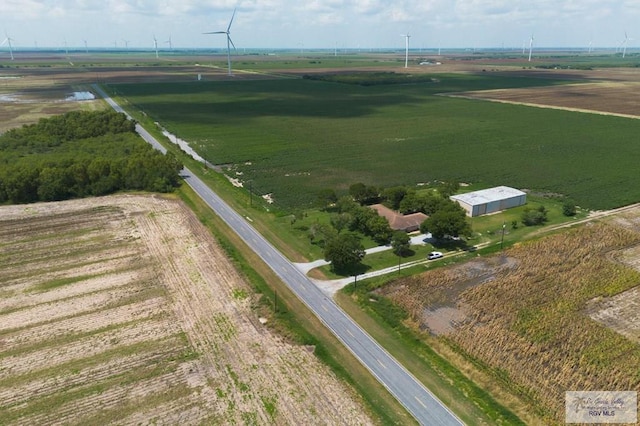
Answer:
(293, 138)
(371, 78)
(80, 154)
(344, 251)
(533, 217)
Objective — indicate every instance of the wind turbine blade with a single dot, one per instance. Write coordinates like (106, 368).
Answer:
(231, 41)
(216, 32)
(231, 22)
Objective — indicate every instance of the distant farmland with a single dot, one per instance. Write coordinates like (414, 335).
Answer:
(295, 137)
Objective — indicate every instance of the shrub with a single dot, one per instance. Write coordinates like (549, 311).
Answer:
(533, 217)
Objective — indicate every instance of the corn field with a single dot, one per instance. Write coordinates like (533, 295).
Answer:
(526, 320)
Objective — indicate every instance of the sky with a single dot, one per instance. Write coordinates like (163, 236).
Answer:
(312, 24)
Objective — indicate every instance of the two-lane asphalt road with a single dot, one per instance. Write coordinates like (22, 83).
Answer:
(417, 399)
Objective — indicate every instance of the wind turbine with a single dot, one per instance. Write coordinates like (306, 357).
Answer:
(530, 47)
(155, 45)
(8, 40)
(86, 48)
(406, 49)
(169, 42)
(229, 41)
(624, 44)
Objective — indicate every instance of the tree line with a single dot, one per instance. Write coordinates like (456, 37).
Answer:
(79, 154)
(370, 78)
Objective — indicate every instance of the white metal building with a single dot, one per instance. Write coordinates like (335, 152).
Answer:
(490, 200)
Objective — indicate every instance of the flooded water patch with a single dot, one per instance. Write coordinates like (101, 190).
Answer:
(80, 96)
(8, 98)
(184, 145)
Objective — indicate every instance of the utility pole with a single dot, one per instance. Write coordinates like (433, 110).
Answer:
(502, 239)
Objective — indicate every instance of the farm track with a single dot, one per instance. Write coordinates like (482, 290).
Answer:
(124, 310)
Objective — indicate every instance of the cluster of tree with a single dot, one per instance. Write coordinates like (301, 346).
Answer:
(350, 216)
(345, 251)
(363, 219)
(80, 154)
(399, 198)
(370, 78)
(565, 67)
(48, 134)
(446, 218)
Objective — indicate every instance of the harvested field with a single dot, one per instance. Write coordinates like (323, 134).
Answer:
(609, 98)
(124, 310)
(529, 319)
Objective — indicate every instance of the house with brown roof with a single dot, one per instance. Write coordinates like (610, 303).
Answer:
(400, 222)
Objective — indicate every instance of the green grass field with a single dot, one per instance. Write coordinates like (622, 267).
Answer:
(292, 138)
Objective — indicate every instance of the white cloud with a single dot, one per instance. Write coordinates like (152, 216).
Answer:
(276, 23)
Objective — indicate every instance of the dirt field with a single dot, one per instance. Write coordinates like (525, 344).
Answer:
(614, 93)
(124, 310)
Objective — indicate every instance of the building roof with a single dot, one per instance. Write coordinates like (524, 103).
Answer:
(400, 222)
(488, 195)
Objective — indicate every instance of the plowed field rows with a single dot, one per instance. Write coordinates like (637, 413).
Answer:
(608, 98)
(124, 310)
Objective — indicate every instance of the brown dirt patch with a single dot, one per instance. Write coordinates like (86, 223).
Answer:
(160, 331)
(609, 98)
(434, 296)
(622, 311)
